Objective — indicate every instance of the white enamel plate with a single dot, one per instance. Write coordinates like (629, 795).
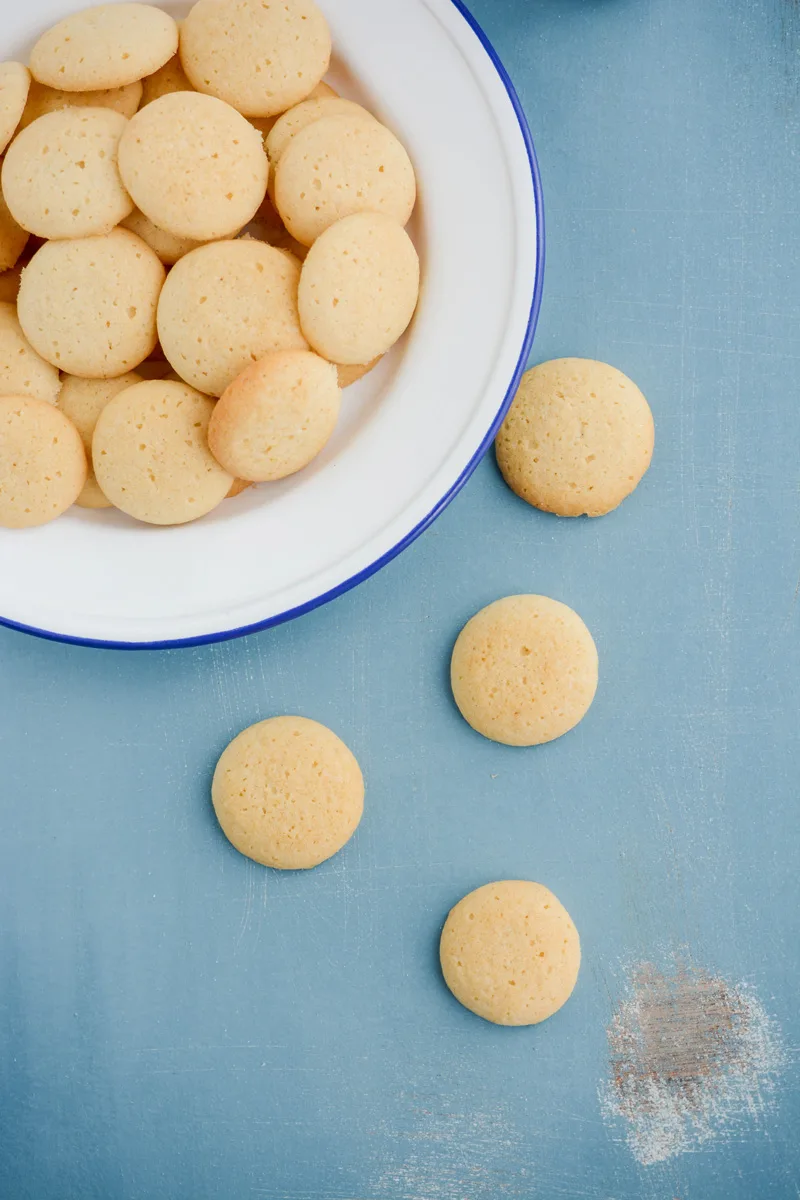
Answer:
(411, 432)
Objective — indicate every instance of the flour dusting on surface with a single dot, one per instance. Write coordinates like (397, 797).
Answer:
(692, 1056)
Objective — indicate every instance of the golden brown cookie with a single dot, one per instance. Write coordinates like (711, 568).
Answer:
(42, 462)
(107, 46)
(276, 416)
(524, 670)
(151, 456)
(194, 166)
(510, 953)
(88, 305)
(577, 439)
(358, 289)
(226, 305)
(288, 793)
(261, 58)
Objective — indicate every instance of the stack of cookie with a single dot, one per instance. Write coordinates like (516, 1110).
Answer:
(201, 244)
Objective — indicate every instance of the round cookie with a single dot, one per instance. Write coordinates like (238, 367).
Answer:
(261, 58)
(166, 80)
(107, 46)
(358, 288)
(22, 371)
(60, 176)
(15, 81)
(168, 247)
(88, 305)
(226, 305)
(185, 136)
(510, 953)
(276, 416)
(42, 462)
(43, 100)
(577, 439)
(82, 400)
(306, 113)
(288, 793)
(151, 456)
(13, 238)
(524, 670)
(339, 166)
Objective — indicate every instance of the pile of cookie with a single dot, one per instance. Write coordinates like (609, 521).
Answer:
(201, 244)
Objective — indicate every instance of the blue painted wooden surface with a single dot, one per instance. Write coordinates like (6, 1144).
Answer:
(177, 1022)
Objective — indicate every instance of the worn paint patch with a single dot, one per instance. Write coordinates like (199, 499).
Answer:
(691, 1057)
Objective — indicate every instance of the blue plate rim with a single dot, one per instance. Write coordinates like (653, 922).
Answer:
(347, 585)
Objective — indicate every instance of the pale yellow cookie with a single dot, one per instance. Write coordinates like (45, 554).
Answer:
(194, 166)
(92, 495)
(60, 176)
(288, 793)
(226, 305)
(15, 80)
(260, 57)
(358, 288)
(510, 953)
(524, 670)
(151, 456)
(350, 375)
(306, 113)
(43, 100)
(22, 371)
(107, 46)
(82, 400)
(88, 305)
(9, 285)
(276, 416)
(13, 239)
(42, 462)
(166, 80)
(578, 438)
(168, 247)
(339, 166)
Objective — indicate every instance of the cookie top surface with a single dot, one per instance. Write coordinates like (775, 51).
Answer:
(15, 80)
(339, 166)
(359, 288)
(60, 176)
(276, 416)
(260, 57)
(13, 238)
(577, 439)
(524, 670)
(88, 305)
(167, 246)
(151, 456)
(510, 953)
(23, 372)
(226, 305)
(107, 46)
(290, 123)
(288, 793)
(43, 100)
(82, 400)
(185, 136)
(42, 462)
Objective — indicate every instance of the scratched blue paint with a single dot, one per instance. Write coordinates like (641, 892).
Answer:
(176, 1022)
